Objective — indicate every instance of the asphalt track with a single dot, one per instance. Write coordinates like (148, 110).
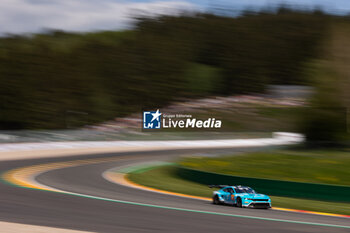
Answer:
(163, 213)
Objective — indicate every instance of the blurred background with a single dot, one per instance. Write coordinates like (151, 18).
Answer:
(73, 70)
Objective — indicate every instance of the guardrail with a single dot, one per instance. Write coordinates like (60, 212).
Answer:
(322, 192)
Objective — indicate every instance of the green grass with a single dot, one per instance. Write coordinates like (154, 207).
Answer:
(165, 178)
(327, 167)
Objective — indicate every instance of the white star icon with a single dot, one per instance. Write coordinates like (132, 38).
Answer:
(156, 115)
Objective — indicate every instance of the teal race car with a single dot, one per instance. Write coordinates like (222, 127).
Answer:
(240, 196)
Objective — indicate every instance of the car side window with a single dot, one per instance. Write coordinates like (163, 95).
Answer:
(238, 190)
(230, 190)
(226, 190)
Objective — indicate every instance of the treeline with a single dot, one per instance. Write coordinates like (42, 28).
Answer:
(59, 79)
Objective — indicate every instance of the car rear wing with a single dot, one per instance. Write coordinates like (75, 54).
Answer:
(217, 185)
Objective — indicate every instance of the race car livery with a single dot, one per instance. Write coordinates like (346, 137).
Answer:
(240, 196)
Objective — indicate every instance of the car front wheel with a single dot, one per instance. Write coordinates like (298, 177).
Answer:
(216, 200)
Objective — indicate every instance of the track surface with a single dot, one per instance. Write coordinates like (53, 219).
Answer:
(65, 211)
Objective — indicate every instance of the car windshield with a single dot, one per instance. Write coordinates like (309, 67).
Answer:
(244, 190)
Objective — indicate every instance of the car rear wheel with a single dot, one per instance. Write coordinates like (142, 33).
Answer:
(216, 200)
(239, 202)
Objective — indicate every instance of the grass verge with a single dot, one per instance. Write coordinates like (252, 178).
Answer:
(313, 166)
(165, 178)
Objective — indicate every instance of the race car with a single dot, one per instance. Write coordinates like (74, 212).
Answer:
(240, 196)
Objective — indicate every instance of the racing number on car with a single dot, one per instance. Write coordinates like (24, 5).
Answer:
(232, 197)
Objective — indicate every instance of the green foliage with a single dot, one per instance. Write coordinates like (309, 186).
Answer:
(60, 79)
(202, 80)
(324, 123)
